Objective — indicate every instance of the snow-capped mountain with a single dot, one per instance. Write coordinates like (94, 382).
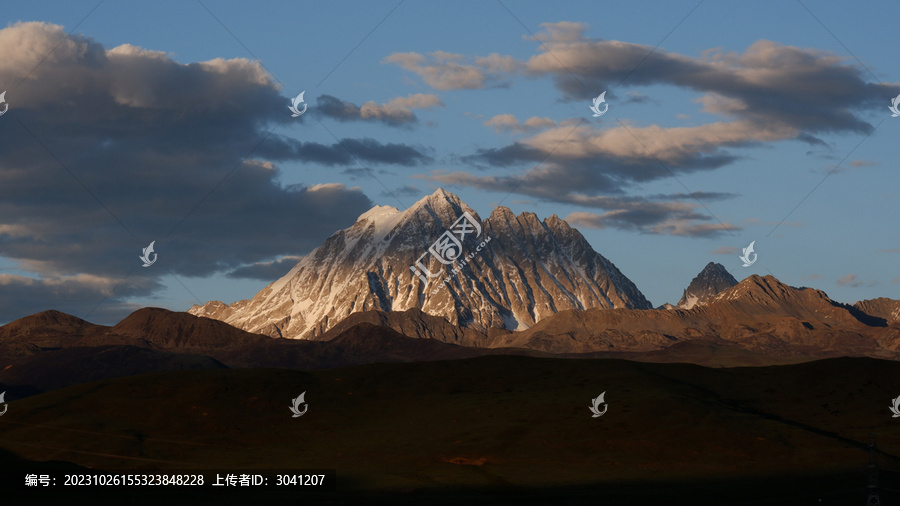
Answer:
(713, 279)
(437, 256)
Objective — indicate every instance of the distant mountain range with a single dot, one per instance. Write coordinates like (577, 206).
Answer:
(51, 350)
(760, 315)
(759, 321)
(518, 286)
(510, 272)
(521, 275)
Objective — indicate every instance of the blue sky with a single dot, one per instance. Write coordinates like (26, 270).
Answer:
(118, 135)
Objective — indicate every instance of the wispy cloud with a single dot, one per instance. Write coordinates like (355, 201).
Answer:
(507, 123)
(726, 250)
(855, 164)
(769, 93)
(448, 71)
(265, 271)
(407, 191)
(397, 112)
(849, 280)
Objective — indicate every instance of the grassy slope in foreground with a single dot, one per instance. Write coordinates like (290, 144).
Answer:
(491, 421)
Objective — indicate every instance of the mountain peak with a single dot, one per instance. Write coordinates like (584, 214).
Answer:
(768, 288)
(50, 318)
(502, 213)
(557, 224)
(765, 294)
(51, 321)
(441, 198)
(443, 193)
(506, 272)
(713, 279)
(378, 212)
(170, 328)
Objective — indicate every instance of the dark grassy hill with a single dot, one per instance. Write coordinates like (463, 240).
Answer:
(63, 367)
(494, 425)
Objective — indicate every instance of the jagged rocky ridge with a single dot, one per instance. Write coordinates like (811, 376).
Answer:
(882, 307)
(521, 270)
(759, 314)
